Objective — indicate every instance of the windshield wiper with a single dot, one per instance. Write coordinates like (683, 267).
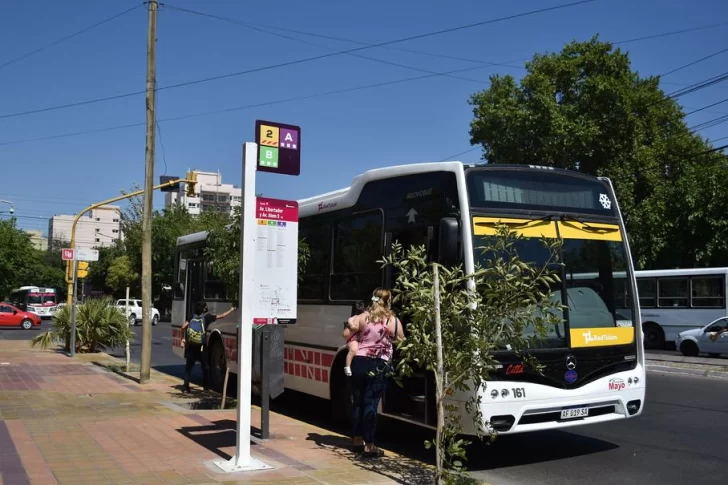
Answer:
(517, 225)
(586, 226)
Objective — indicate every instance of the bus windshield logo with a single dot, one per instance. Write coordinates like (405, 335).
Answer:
(605, 201)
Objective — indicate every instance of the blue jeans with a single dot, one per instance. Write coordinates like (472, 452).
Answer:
(368, 381)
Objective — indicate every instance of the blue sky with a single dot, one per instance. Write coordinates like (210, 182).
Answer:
(343, 134)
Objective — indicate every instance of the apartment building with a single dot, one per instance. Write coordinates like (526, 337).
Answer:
(211, 194)
(100, 227)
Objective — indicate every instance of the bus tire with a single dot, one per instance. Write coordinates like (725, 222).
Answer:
(340, 391)
(654, 336)
(689, 349)
(217, 364)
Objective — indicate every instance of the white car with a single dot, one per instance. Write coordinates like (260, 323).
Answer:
(700, 340)
(134, 311)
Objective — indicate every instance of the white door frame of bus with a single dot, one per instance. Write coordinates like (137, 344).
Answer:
(242, 461)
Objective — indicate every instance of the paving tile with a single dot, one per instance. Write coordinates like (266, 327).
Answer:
(71, 422)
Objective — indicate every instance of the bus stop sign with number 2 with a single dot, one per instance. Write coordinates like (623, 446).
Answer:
(279, 147)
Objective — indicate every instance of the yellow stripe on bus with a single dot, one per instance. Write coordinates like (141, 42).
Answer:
(591, 230)
(601, 337)
(537, 228)
(486, 226)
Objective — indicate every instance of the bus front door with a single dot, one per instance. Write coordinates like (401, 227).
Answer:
(414, 399)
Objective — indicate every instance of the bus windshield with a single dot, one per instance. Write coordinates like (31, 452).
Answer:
(41, 299)
(593, 274)
(557, 204)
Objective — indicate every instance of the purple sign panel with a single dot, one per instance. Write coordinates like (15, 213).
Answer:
(279, 147)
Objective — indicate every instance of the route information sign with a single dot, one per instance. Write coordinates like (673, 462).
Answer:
(276, 262)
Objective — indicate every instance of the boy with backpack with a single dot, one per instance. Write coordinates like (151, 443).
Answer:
(194, 340)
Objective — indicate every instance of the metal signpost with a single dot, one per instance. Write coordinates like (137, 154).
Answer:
(277, 150)
(76, 255)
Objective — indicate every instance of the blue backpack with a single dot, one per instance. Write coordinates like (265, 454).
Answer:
(196, 331)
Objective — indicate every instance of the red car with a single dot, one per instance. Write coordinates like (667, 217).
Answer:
(12, 317)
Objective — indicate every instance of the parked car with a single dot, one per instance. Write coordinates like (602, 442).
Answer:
(11, 316)
(134, 311)
(703, 340)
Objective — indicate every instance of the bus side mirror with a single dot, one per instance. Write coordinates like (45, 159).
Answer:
(448, 241)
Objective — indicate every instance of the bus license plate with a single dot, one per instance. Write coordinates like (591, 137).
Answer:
(574, 413)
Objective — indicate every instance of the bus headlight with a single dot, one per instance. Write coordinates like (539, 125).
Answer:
(504, 393)
(494, 393)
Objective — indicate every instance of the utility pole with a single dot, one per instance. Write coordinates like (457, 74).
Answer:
(146, 357)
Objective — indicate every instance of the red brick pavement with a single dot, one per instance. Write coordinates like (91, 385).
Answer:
(69, 421)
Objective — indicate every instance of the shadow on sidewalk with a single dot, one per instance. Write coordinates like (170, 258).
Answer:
(399, 469)
(215, 436)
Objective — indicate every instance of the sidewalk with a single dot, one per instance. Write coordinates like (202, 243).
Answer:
(72, 421)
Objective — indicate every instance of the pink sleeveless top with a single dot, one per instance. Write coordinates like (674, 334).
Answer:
(375, 341)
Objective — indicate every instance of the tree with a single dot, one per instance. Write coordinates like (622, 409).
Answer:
(167, 225)
(99, 270)
(585, 109)
(99, 324)
(120, 274)
(453, 331)
(21, 264)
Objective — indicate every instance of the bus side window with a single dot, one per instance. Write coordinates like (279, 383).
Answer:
(357, 248)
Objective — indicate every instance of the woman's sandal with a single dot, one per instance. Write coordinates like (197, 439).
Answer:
(374, 454)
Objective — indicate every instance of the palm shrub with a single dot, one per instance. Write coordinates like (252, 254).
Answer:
(99, 324)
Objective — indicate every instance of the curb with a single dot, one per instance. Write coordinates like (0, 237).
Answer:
(686, 371)
(681, 359)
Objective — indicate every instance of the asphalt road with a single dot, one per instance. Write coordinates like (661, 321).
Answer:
(680, 437)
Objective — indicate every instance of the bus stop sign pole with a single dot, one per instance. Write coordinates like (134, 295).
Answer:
(242, 461)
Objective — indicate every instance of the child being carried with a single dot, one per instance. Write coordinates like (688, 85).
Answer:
(353, 343)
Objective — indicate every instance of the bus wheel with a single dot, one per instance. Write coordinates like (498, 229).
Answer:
(218, 364)
(689, 349)
(340, 393)
(654, 336)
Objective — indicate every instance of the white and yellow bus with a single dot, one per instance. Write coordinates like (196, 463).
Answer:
(594, 367)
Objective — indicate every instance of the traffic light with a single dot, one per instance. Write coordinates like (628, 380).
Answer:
(191, 181)
(82, 269)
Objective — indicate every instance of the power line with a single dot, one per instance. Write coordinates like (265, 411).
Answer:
(706, 107)
(269, 29)
(302, 61)
(710, 123)
(699, 85)
(674, 32)
(694, 62)
(452, 157)
(70, 36)
(288, 37)
(240, 108)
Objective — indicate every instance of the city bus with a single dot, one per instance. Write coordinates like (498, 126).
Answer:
(675, 300)
(593, 362)
(35, 299)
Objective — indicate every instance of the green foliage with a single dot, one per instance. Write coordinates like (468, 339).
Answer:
(224, 253)
(99, 324)
(510, 306)
(167, 225)
(21, 264)
(120, 274)
(585, 109)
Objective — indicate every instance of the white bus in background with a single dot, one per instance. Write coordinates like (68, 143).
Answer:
(594, 368)
(674, 300)
(35, 299)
